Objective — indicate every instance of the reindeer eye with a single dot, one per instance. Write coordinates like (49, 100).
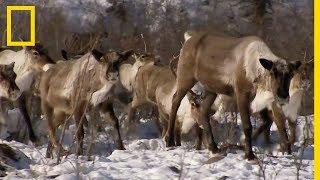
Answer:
(36, 53)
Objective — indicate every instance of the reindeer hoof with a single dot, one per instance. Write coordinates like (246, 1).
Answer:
(79, 152)
(33, 138)
(198, 147)
(250, 156)
(214, 150)
(178, 143)
(289, 149)
(48, 154)
(121, 147)
(169, 141)
(49, 151)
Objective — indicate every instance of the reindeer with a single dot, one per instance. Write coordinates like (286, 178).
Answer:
(240, 67)
(129, 72)
(155, 85)
(8, 88)
(68, 87)
(289, 110)
(28, 66)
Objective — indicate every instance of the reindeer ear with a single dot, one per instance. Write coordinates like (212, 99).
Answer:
(7, 67)
(97, 54)
(10, 66)
(135, 57)
(267, 64)
(295, 65)
(194, 104)
(64, 54)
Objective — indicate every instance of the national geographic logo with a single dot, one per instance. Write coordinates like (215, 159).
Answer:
(32, 11)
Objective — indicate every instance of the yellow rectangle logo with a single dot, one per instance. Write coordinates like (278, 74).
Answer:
(32, 25)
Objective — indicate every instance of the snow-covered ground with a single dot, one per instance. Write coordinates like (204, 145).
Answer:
(150, 159)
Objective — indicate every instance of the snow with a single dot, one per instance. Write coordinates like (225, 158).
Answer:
(150, 159)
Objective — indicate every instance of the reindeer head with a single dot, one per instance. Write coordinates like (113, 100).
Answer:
(112, 61)
(281, 74)
(117, 57)
(195, 102)
(8, 87)
(144, 58)
(38, 56)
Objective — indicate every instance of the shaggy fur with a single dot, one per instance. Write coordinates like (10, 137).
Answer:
(230, 66)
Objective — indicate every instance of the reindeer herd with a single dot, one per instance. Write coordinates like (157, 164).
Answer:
(230, 72)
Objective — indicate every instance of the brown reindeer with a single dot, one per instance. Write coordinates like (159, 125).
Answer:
(155, 85)
(128, 72)
(288, 110)
(29, 63)
(240, 67)
(69, 87)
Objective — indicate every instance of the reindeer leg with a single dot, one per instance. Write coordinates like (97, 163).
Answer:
(49, 150)
(109, 108)
(78, 115)
(176, 101)
(60, 118)
(243, 106)
(205, 107)
(264, 127)
(164, 121)
(22, 104)
(279, 119)
(158, 123)
(131, 119)
(53, 124)
(292, 127)
(177, 131)
(199, 140)
(165, 128)
(48, 112)
(266, 132)
(132, 111)
(182, 89)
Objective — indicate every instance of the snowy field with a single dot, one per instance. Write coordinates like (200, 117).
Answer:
(149, 159)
